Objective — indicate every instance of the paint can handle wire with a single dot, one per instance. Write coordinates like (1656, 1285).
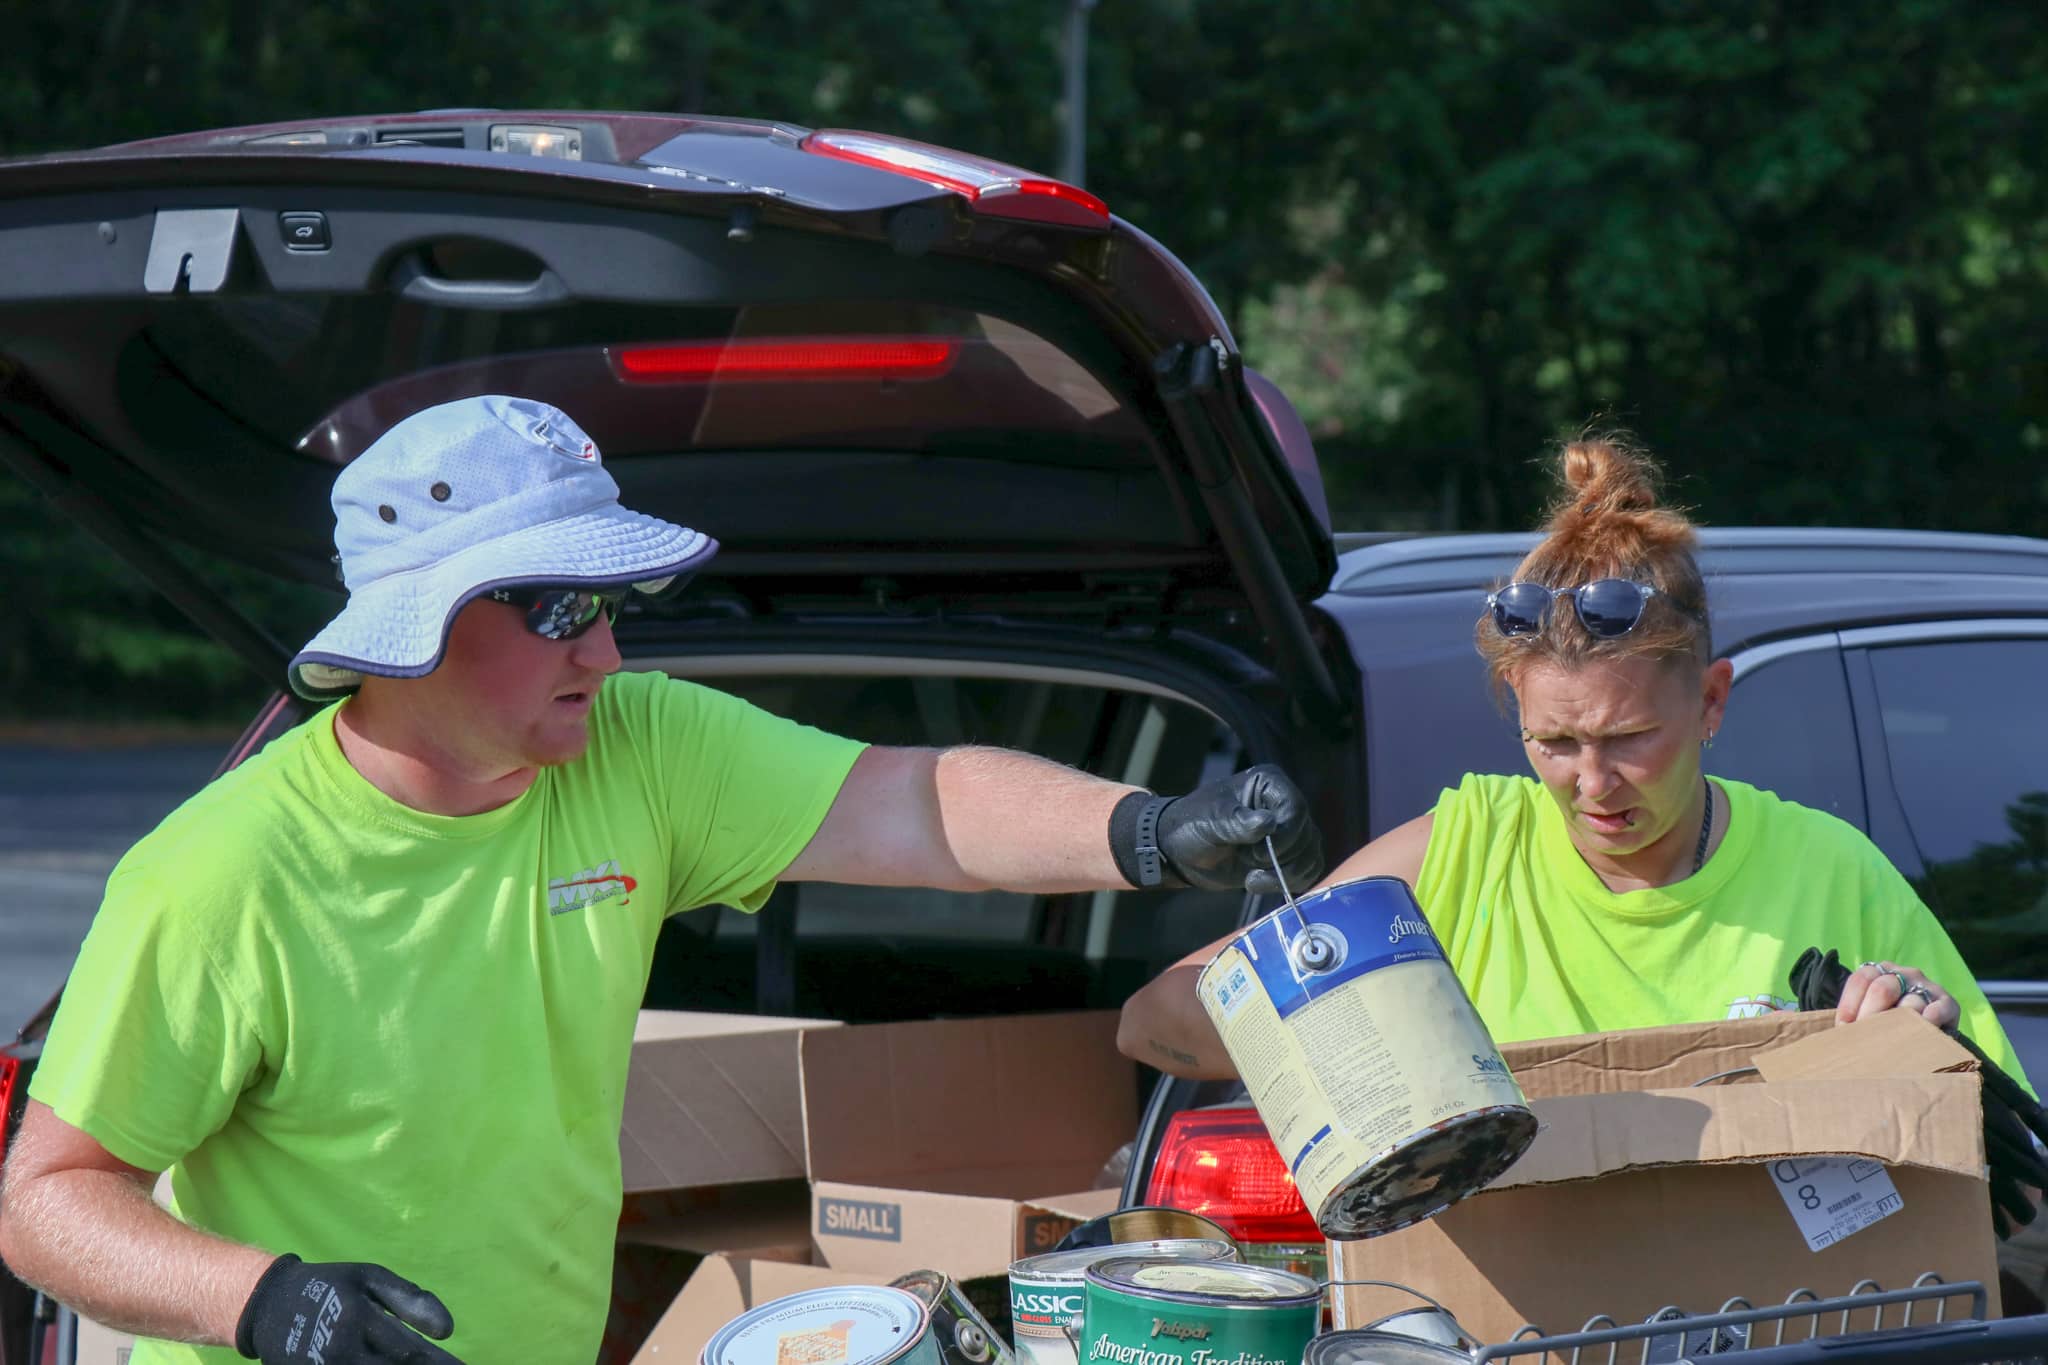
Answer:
(1286, 895)
(1309, 952)
(1449, 1332)
(1386, 1284)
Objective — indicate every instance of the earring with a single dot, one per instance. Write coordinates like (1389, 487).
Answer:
(1708, 742)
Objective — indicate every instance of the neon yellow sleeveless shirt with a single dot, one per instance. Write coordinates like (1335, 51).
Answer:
(1545, 949)
(358, 1032)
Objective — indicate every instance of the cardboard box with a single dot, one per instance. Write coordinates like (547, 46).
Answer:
(961, 1145)
(712, 1099)
(1645, 1188)
(723, 1288)
(99, 1345)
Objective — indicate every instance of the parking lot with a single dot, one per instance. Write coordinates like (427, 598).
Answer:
(66, 815)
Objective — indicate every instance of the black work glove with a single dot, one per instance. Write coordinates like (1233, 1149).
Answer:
(1214, 838)
(2010, 1113)
(340, 1313)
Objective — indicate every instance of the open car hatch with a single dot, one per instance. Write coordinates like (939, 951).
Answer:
(849, 358)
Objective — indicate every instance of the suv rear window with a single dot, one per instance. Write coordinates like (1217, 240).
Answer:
(866, 954)
(326, 374)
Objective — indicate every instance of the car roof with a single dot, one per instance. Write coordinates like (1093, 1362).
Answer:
(1763, 583)
(1449, 562)
(1408, 605)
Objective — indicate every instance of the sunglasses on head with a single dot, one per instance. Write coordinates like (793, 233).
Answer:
(563, 613)
(1607, 607)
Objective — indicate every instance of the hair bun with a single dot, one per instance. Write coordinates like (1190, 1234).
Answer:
(1605, 472)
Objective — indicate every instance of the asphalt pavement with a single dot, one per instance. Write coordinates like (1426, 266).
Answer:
(66, 816)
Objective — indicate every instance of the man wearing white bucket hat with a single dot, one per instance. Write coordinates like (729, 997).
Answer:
(369, 997)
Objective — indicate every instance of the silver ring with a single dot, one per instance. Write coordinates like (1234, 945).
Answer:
(1920, 991)
(1905, 983)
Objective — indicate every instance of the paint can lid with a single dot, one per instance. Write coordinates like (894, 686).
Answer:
(1154, 1277)
(1072, 1264)
(852, 1325)
(1144, 1223)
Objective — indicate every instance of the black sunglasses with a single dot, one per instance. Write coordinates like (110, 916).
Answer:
(563, 613)
(1607, 607)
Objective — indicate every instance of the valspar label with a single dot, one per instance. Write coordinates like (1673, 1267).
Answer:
(1378, 1082)
(860, 1218)
(1144, 1311)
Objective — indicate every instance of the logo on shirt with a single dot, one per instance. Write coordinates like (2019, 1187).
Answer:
(1756, 1006)
(588, 887)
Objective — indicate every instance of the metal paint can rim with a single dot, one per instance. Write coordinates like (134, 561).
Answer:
(957, 1324)
(906, 1316)
(1100, 1231)
(1119, 1274)
(1429, 1322)
(1367, 1347)
(1051, 1267)
(1327, 1216)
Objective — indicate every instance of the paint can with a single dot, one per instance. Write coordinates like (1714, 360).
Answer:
(1428, 1321)
(1145, 1223)
(1142, 1310)
(854, 1325)
(1434, 1325)
(1046, 1292)
(1380, 1348)
(964, 1335)
(1379, 1084)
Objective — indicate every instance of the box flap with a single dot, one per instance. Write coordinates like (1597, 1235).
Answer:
(1900, 1120)
(1651, 1058)
(1689, 1236)
(653, 1026)
(1081, 1205)
(1004, 1106)
(1894, 1043)
(714, 1295)
(712, 1099)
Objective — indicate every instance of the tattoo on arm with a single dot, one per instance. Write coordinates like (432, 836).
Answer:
(1173, 1053)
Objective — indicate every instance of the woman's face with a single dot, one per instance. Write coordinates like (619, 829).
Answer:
(1617, 745)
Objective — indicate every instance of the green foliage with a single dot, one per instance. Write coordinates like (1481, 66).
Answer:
(1800, 248)
(99, 643)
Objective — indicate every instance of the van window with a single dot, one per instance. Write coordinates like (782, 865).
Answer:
(1969, 757)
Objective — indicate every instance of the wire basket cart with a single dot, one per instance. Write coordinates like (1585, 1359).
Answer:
(1931, 1322)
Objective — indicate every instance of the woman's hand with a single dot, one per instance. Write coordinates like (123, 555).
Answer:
(1878, 986)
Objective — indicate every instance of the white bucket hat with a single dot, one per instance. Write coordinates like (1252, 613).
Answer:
(463, 498)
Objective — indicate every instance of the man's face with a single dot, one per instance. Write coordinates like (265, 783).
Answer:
(509, 697)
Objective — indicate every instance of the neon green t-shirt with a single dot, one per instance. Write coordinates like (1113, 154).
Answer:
(358, 1032)
(1545, 949)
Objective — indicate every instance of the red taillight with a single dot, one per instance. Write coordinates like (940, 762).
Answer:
(1221, 1164)
(784, 359)
(990, 187)
(10, 1071)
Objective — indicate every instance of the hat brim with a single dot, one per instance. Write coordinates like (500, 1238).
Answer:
(397, 626)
